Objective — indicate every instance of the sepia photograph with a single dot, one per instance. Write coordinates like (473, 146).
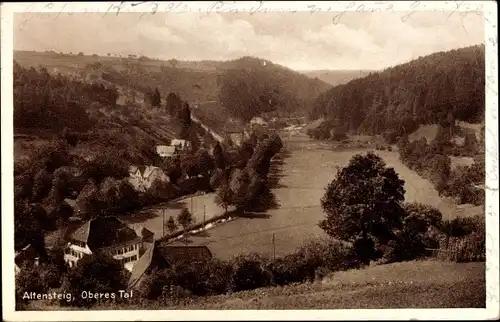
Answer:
(216, 156)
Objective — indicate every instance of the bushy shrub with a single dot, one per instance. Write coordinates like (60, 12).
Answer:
(461, 186)
(98, 273)
(417, 234)
(200, 278)
(249, 272)
(470, 248)
(326, 255)
(463, 239)
(391, 136)
(338, 135)
(462, 226)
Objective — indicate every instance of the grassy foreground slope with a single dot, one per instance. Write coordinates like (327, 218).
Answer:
(417, 284)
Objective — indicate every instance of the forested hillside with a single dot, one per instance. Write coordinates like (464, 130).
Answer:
(45, 104)
(250, 86)
(240, 88)
(435, 89)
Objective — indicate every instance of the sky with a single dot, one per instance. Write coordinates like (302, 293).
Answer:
(300, 41)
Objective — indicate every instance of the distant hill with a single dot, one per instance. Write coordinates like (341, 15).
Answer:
(337, 77)
(434, 89)
(250, 86)
(292, 92)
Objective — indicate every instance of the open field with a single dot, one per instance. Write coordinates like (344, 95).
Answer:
(429, 132)
(303, 177)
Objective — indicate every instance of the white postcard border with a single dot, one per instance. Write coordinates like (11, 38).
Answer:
(489, 8)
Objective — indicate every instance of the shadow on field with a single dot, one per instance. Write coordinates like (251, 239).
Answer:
(177, 204)
(141, 217)
(251, 215)
(273, 181)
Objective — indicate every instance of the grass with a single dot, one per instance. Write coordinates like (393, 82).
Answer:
(302, 180)
(415, 284)
(420, 284)
(429, 132)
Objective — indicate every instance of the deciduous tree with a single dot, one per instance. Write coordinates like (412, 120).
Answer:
(362, 204)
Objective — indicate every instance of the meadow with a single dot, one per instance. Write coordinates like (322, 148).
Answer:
(303, 171)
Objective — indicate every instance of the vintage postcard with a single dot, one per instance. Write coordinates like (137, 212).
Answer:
(249, 160)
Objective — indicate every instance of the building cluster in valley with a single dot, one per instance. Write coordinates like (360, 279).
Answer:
(135, 247)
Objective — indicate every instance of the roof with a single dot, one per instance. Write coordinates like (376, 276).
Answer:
(258, 119)
(143, 232)
(134, 168)
(71, 202)
(25, 254)
(165, 149)
(82, 233)
(145, 171)
(162, 256)
(149, 170)
(141, 266)
(103, 232)
(175, 254)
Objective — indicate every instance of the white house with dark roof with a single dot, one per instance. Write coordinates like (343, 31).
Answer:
(109, 235)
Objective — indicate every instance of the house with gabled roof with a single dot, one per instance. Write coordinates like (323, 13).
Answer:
(143, 177)
(160, 256)
(109, 235)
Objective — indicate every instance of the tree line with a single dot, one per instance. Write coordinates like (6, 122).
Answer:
(436, 89)
(51, 102)
(432, 161)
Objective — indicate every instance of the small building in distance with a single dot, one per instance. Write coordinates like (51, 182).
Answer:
(109, 235)
(181, 145)
(159, 256)
(25, 257)
(166, 151)
(235, 134)
(143, 177)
